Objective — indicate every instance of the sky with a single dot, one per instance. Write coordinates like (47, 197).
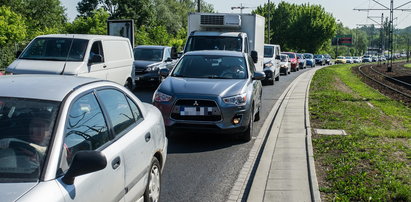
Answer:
(342, 10)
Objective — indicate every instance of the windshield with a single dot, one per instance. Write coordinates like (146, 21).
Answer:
(268, 51)
(283, 58)
(340, 57)
(214, 43)
(26, 126)
(148, 54)
(318, 56)
(291, 55)
(213, 67)
(308, 56)
(56, 49)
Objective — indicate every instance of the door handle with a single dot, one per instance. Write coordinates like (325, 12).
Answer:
(104, 66)
(147, 137)
(115, 163)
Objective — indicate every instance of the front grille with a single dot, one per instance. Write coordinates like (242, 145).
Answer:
(196, 110)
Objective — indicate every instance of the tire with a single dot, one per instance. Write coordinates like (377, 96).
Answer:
(277, 78)
(152, 192)
(246, 135)
(270, 82)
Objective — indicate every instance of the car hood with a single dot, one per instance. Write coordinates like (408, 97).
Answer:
(22, 66)
(214, 87)
(13, 191)
(142, 64)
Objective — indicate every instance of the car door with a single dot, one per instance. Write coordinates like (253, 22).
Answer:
(96, 69)
(132, 133)
(86, 128)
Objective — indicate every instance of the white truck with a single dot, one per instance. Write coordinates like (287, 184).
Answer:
(223, 31)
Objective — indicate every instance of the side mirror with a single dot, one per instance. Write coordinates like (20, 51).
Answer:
(174, 54)
(97, 58)
(179, 54)
(254, 56)
(84, 162)
(168, 60)
(164, 72)
(298, 58)
(18, 53)
(277, 57)
(258, 76)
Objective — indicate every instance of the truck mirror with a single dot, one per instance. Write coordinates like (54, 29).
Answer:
(254, 56)
(174, 54)
(277, 57)
(18, 53)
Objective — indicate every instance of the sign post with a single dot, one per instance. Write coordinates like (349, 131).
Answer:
(124, 28)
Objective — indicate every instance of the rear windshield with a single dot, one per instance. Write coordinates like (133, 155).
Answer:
(56, 49)
(26, 127)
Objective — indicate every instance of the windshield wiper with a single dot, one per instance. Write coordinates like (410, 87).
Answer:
(216, 77)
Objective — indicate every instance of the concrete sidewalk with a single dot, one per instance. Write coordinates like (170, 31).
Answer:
(286, 170)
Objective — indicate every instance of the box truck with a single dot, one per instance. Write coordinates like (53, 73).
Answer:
(223, 31)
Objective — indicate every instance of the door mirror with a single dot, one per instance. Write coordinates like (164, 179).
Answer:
(84, 162)
(254, 56)
(97, 58)
(258, 76)
(168, 60)
(18, 53)
(174, 54)
(179, 54)
(164, 72)
(277, 57)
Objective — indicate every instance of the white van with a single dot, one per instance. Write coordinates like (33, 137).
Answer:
(98, 56)
(272, 63)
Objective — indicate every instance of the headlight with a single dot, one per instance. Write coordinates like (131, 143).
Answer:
(152, 68)
(239, 100)
(162, 97)
(268, 64)
(282, 65)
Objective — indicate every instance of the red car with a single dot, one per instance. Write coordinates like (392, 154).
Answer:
(293, 61)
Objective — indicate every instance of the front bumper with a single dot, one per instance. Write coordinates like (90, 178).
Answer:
(153, 76)
(176, 121)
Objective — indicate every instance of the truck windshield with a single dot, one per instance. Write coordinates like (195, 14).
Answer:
(268, 51)
(57, 49)
(214, 43)
(148, 54)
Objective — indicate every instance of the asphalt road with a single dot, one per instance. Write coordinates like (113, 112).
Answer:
(204, 167)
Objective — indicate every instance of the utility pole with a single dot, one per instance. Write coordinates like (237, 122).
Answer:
(269, 22)
(408, 50)
(241, 7)
(198, 5)
(391, 25)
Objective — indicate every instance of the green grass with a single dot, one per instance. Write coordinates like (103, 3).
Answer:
(408, 65)
(374, 161)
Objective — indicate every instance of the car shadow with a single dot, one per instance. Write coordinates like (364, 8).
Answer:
(201, 142)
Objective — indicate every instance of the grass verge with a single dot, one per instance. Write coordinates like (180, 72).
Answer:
(408, 65)
(371, 163)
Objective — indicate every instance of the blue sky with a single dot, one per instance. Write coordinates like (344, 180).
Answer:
(342, 10)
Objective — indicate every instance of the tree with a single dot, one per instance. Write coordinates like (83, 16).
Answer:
(96, 23)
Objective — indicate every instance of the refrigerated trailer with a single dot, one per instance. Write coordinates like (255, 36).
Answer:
(227, 31)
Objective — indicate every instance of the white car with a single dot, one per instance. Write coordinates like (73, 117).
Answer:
(285, 64)
(272, 63)
(66, 138)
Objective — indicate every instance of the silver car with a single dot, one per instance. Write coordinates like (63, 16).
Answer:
(68, 138)
(213, 91)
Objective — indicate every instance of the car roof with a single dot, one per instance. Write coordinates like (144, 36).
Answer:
(44, 87)
(151, 46)
(81, 36)
(216, 52)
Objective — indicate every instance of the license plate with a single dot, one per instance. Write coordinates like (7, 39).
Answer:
(195, 111)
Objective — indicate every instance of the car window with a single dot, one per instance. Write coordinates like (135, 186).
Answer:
(135, 110)
(167, 53)
(118, 109)
(96, 49)
(86, 127)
